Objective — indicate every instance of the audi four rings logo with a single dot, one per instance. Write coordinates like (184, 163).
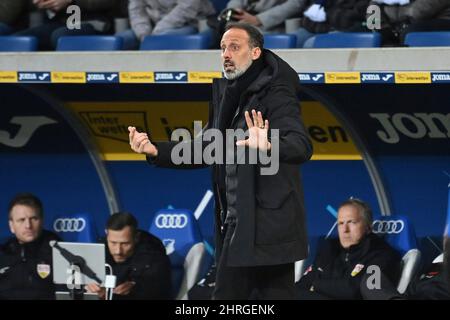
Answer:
(171, 221)
(388, 226)
(69, 224)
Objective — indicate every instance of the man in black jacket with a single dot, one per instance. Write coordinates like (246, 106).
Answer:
(434, 284)
(341, 264)
(26, 259)
(138, 260)
(260, 218)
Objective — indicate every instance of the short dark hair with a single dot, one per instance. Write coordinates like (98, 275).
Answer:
(120, 220)
(29, 200)
(363, 208)
(256, 39)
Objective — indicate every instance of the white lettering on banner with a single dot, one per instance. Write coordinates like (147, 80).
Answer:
(27, 76)
(28, 125)
(96, 77)
(164, 76)
(441, 77)
(371, 76)
(304, 77)
(414, 126)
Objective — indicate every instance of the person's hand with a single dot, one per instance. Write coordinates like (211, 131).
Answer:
(140, 143)
(257, 130)
(95, 288)
(40, 4)
(124, 288)
(244, 16)
(53, 5)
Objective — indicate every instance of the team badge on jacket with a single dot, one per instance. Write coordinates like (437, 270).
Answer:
(43, 270)
(357, 269)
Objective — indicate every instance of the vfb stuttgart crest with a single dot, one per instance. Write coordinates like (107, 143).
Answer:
(43, 270)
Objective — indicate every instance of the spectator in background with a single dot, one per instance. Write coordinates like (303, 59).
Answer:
(341, 263)
(153, 17)
(403, 16)
(323, 16)
(10, 13)
(95, 19)
(268, 15)
(26, 259)
(138, 260)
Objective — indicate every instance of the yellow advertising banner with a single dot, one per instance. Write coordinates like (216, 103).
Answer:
(68, 77)
(413, 77)
(8, 76)
(137, 77)
(342, 77)
(203, 77)
(108, 124)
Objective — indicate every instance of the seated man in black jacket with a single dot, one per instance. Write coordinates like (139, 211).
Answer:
(138, 260)
(340, 265)
(434, 284)
(26, 258)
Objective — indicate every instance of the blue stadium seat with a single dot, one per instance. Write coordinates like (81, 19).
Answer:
(279, 41)
(12, 43)
(347, 40)
(89, 43)
(399, 232)
(179, 231)
(78, 227)
(428, 39)
(176, 42)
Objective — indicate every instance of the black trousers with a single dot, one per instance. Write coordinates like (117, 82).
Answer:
(275, 282)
